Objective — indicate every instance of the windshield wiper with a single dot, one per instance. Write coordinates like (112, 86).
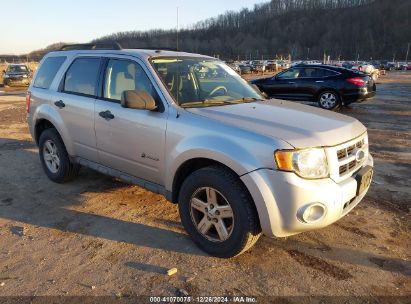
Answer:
(211, 102)
(247, 99)
(203, 102)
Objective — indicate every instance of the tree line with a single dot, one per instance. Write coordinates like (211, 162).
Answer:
(300, 29)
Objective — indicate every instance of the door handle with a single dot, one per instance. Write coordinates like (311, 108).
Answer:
(107, 115)
(60, 104)
(319, 81)
(291, 82)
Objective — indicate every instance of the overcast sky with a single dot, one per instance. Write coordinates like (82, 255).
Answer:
(33, 24)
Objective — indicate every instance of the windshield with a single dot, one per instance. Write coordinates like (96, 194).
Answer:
(17, 69)
(197, 82)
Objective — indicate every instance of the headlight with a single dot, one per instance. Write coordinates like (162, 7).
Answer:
(6, 76)
(25, 76)
(310, 163)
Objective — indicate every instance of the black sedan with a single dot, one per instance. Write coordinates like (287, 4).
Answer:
(17, 74)
(329, 86)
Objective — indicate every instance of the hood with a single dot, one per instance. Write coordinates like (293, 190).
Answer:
(259, 80)
(300, 125)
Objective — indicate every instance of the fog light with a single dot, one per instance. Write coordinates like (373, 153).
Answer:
(311, 213)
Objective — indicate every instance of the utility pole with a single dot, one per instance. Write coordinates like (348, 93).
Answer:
(177, 28)
(406, 56)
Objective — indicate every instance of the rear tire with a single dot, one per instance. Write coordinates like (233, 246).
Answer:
(54, 158)
(329, 100)
(218, 212)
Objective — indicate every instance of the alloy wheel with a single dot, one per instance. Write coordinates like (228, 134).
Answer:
(328, 100)
(212, 214)
(51, 156)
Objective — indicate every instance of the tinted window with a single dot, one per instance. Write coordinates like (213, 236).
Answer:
(291, 73)
(125, 75)
(17, 69)
(48, 71)
(325, 73)
(82, 76)
(309, 73)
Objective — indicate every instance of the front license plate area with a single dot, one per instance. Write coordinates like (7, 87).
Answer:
(364, 177)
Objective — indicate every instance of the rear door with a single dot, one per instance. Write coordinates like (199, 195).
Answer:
(75, 103)
(130, 140)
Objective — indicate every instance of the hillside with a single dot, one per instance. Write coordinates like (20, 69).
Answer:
(301, 28)
(345, 29)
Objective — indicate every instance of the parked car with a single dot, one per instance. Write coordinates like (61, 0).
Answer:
(367, 69)
(401, 65)
(237, 165)
(387, 66)
(272, 66)
(16, 74)
(245, 69)
(406, 66)
(284, 64)
(329, 86)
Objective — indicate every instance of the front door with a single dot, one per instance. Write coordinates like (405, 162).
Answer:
(306, 83)
(283, 85)
(130, 140)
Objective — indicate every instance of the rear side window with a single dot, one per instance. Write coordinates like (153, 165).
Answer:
(48, 71)
(82, 76)
(326, 73)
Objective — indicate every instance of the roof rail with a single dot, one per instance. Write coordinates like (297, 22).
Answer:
(156, 48)
(92, 46)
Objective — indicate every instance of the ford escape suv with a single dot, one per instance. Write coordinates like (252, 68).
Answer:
(188, 127)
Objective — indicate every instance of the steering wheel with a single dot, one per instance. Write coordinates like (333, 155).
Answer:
(215, 90)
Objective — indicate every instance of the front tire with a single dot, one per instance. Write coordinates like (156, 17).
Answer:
(329, 100)
(54, 158)
(218, 213)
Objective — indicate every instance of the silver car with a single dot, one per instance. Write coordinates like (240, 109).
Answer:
(189, 127)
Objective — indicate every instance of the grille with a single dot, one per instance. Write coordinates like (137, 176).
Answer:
(346, 157)
(347, 152)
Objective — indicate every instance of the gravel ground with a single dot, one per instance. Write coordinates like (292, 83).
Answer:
(99, 236)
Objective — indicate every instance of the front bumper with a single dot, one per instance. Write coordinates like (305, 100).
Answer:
(280, 197)
(16, 82)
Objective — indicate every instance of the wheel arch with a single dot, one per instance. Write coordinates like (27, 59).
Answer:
(46, 117)
(190, 166)
(41, 125)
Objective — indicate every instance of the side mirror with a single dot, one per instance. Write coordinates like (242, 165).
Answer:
(4, 71)
(139, 100)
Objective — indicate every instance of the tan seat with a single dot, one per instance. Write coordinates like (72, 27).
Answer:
(125, 81)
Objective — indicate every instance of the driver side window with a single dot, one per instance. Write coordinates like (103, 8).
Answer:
(125, 75)
(290, 74)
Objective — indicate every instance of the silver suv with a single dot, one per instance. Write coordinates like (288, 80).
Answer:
(188, 127)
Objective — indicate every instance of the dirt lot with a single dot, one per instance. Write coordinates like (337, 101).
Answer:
(98, 236)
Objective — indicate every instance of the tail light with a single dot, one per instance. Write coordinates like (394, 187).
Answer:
(358, 81)
(28, 100)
